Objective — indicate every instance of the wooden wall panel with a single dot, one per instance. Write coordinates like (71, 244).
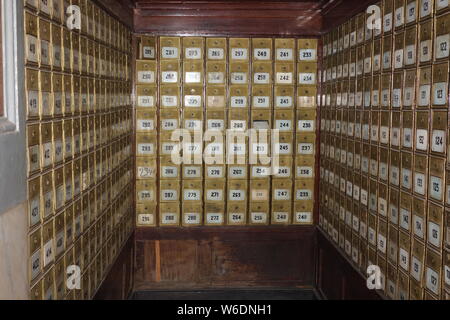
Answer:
(225, 257)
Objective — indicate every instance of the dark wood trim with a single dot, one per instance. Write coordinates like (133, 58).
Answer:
(228, 18)
(225, 233)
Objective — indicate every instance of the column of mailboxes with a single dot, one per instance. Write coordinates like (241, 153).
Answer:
(211, 81)
(78, 146)
(384, 110)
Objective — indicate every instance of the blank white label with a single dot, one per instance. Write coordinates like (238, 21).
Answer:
(193, 77)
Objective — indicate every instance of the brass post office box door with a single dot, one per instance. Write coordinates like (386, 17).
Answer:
(426, 41)
(284, 49)
(192, 214)
(146, 72)
(214, 214)
(170, 47)
(146, 214)
(307, 49)
(170, 97)
(281, 213)
(411, 11)
(439, 126)
(239, 49)
(426, 9)
(146, 96)
(405, 212)
(193, 48)
(262, 96)
(170, 72)
(146, 145)
(145, 121)
(262, 73)
(169, 214)
(215, 190)
(259, 213)
(435, 225)
(145, 192)
(169, 119)
(440, 84)
(145, 168)
(147, 47)
(399, 13)
(216, 119)
(307, 97)
(399, 45)
(262, 49)
(422, 130)
(236, 213)
(387, 52)
(407, 123)
(216, 97)
(239, 72)
(31, 39)
(169, 190)
(216, 72)
(284, 73)
(306, 73)
(193, 72)
(216, 48)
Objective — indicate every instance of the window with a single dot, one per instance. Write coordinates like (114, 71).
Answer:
(9, 72)
(12, 116)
